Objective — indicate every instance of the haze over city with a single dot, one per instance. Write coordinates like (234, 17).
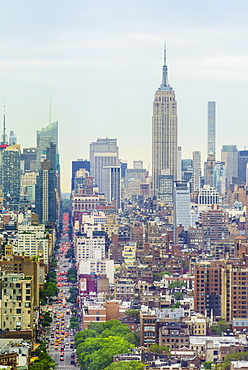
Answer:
(102, 62)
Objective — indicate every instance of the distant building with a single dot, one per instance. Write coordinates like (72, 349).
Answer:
(106, 146)
(242, 166)
(208, 195)
(165, 189)
(181, 205)
(111, 184)
(78, 165)
(219, 178)
(11, 176)
(215, 227)
(164, 130)
(45, 136)
(229, 155)
(12, 138)
(45, 195)
(196, 179)
(211, 127)
(28, 157)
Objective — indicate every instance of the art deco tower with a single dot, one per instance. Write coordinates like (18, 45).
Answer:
(164, 131)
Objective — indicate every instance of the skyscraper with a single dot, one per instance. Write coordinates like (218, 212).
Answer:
(103, 153)
(45, 136)
(211, 127)
(242, 166)
(164, 130)
(196, 179)
(11, 176)
(229, 155)
(111, 184)
(181, 206)
(45, 194)
(102, 146)
(78, 165)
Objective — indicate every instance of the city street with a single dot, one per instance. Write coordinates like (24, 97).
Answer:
(60, 339)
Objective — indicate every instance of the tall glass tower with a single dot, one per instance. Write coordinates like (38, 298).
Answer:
(211, 127)
(164, 131)
(45, 136)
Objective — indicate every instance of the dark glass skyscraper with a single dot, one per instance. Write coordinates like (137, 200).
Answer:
(78, 165)
(242, 163)
(45, 194)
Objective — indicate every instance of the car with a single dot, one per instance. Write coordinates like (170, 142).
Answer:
(61, 358)
(72, 361)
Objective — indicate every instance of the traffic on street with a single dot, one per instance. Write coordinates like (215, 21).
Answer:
(59, 336)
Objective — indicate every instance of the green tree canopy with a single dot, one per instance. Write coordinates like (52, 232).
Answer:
(159, 349)
(134, 314)
(220, 328)
(97, 353)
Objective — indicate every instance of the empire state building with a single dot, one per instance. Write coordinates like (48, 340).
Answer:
(164, 131)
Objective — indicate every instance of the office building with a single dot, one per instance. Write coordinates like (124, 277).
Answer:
(164, 130)
(242, 166)
(12, 138)
(45, 194)
(186, 169)
(45, 136)
(165, 189)
(196, 179)
(102, 160)
(179, 163)
(208, 195)
(229, 155)
(181, 205)
(11, 176)
(102, 146)
(78, 165)
(28, 157)
(111, 184)
(208, 169)
(211, 127)
(32, 241)
(219, 177)
(90, 244)
(134, 177)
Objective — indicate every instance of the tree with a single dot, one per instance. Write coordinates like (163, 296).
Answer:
(178, 296)
(72, 275)
(98, 353)
(126, 365)
(159, 349)
(207, 365)
(134, 314)
(70, 253)
(82, 335)
(73, 295)
(220, 328)
(44, 361)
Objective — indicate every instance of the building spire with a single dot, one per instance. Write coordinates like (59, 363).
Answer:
(165, 70)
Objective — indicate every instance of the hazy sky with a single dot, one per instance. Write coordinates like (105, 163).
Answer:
(102, 62)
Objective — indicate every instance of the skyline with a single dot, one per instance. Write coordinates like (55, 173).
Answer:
(102, 63)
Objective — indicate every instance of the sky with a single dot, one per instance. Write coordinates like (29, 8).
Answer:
(101, 63)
